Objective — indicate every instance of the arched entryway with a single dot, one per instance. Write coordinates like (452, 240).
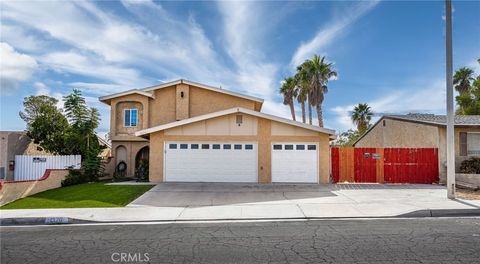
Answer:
(141, 163)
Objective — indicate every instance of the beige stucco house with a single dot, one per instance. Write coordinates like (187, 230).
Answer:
(425, 131)
(191, 132)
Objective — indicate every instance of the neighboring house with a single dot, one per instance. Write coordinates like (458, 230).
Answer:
(191, 132)
(15, 143)
(425, 131)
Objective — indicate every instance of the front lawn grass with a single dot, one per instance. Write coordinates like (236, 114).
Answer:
(85, 195)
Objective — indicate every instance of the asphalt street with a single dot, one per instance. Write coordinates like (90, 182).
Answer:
(430, 240)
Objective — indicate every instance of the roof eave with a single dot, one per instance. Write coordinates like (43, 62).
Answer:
(106, 99)
(144, 132)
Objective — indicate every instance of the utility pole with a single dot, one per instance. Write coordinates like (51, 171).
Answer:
(450, 113)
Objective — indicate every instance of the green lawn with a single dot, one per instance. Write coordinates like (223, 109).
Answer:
(82, 196)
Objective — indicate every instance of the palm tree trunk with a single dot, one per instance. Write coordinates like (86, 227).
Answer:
(310, 114)
(320, 115)
(303, 112)
(292, 110)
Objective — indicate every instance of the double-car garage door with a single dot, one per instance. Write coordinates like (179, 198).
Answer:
(238, 162)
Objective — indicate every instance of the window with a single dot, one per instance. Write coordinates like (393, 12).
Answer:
(194, 146)
(239, 120)
(215, 146)
(237, 146)
(277, 147)
(312, 147)
(227, 146)
(183, 146)
(473, 144)
(205, 146)
(130, 117)
(249, 146)
(300, 147)
(288, 147)
(173, 146)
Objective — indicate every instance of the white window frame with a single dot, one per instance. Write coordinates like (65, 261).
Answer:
(130, 123)
(468, 154)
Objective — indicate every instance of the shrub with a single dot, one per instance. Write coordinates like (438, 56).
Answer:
(142, 171)
(471, 165)
(74, 177)
(92, 166)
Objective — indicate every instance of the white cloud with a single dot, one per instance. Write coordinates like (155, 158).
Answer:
(15, 67)
(97, 36)
(331, 31)
(43, 89)
(244, 38)
(19, 38)
(76, 63)
(429, 98)
(475, 65)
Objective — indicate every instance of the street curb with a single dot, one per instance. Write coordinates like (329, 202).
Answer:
(41, 221)
(436, 213)
(443, 213)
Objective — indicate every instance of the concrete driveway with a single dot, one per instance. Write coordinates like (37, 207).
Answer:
(239, 201)
(213, 201)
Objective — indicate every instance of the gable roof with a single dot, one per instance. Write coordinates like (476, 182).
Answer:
(148, 131)
(132, 91)
(148, 91)
(428, 119)
(204, 86)
(460, 120)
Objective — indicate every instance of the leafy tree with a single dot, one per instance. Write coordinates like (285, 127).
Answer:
(69, 134)
(48, 129)
(76, 110)
(36, 105)
(361, 117)
(289, 92)
(347, 138)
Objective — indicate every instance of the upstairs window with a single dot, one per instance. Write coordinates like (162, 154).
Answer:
(130, 117)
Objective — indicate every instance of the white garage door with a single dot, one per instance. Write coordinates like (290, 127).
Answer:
(210, 162)
(295, 162)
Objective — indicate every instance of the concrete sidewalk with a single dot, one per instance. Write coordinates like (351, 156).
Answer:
(191, 202)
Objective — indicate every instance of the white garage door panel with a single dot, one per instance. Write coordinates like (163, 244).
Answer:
(211, 165)
(295, 165)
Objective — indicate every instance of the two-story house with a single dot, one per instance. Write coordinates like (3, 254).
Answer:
(191, 132)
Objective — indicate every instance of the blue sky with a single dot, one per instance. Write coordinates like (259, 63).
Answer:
(389, 54)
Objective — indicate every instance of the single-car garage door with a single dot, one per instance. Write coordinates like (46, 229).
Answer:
(295, 162)
(210, 162)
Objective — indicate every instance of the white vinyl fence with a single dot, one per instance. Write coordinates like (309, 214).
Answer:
(33, 167)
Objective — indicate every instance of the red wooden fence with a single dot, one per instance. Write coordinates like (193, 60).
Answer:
(390, 165)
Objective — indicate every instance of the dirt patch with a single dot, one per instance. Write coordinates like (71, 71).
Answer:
(468, 194)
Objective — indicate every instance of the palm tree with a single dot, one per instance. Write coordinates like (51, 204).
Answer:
(319, 72)
(302, 89)
(462, 79)
(361, 117)
(289, 92)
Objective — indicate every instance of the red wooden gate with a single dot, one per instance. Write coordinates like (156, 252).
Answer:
(411, 165)
(365, 165)
(391, 165)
